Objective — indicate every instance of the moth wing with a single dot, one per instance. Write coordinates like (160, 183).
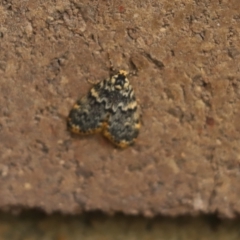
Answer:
(122, 127)
(87, 116)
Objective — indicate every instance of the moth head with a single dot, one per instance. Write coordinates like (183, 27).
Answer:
(120, 80)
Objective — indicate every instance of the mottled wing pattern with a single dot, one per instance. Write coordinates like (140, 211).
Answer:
(123, 126)
(87, 116)
(110, 107)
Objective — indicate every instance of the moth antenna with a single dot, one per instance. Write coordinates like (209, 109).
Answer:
(132, 73)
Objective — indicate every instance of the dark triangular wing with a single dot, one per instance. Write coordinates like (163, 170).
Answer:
(87, 116)
(123, 126)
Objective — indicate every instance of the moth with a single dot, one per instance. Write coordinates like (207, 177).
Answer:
(111, 108)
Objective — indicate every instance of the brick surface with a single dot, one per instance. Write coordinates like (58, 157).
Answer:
(186, 56)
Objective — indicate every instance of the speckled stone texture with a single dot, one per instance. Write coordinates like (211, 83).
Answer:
(186, 55)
